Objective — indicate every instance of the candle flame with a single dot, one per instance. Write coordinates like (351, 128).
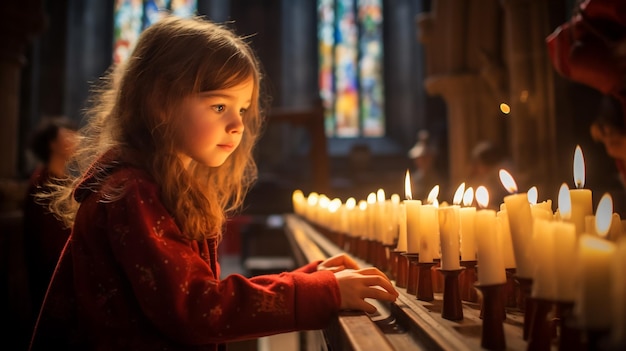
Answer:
(362, 205)
(604, 214)
(432, 196)
(351, 203)
(380, 195)
(458, 194)
(395, 199)
(482, 196)
(334, 205)
(371, 198)
(407, 186)
(297, 195)
(323, 201)
(532, 195)
(565, 202)
(435, 203)
(507, 181)
(468, 197)
(312, 199)
(579, 168)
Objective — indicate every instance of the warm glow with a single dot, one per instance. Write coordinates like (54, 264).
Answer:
(532, 195)
(371, 198)
(297, 195)
(507, 181)
(334, 205)
(579, 168)
(468, 197)
(351, 203)
(482, 196)
(323, 201)
(596, 243)
(312, 199)
(362, 205)
(565, 202)
(432, 196)
(380, 195)
(504, 108)
(407, 186)
(395, 199)
(604, 214)
(458, 194)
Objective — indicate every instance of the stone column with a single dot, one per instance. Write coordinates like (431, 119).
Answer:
(22, 21)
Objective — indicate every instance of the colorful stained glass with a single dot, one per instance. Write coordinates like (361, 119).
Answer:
(350, 67)
(131, 17)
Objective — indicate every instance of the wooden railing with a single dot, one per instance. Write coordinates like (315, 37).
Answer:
(408, 323)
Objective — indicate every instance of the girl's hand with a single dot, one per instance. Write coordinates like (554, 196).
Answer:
(338, 263)
(357, 285)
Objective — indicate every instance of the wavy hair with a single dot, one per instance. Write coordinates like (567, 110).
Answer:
(136, 108)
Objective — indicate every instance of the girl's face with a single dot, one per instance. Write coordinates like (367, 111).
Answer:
(212, 124)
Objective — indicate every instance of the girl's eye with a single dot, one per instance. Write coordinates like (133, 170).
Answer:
(242, 111)
(218, 108)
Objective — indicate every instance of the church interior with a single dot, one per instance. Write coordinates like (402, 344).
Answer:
(452, 79)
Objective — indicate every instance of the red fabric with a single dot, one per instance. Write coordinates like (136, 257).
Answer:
(128, 280)
(586, 50)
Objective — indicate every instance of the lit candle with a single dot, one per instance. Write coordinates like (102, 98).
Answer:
(350, 207)
(449, 226)
(298, 202)
(543, 270)
(565, 250)
(618, 296)
(412, 208)
(380, 216)
(402, 232)
(505, 236)
(581, 198)
(391, 219)
(467, 216)
(429, 228)
(490, 261)
(520, 222)
(372, 216)
(593, 305)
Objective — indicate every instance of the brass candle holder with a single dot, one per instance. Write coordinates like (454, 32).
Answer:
(492, 337)
(452, 306)
(394, 256)
(510, 290)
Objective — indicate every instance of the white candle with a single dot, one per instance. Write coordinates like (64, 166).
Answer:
(467, 216)
(543, 270)
(581, 198)
(618, 272)
(505, 236)
(412, 208)
(490, 260)
(449, 224)
(593, 304)
(565, 258)
(402, 232)
(428, 233)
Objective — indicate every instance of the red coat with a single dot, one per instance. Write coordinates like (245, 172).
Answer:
(128, 280)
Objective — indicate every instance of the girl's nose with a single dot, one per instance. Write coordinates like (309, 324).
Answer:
(236, 125)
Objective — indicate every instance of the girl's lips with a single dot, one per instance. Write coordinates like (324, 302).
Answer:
(226, 146)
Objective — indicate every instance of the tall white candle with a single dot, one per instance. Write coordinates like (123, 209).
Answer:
(428, 232)
(505, 236)
(402, 231)
(449, 224)
(412, 208)
(490, 260)
(593, 304)
(581, 198)
(467, 217)
(565, 261)
(543, 270)
(618, 296)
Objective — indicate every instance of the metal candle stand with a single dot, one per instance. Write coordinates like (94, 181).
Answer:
(452, 306)
(492, 337)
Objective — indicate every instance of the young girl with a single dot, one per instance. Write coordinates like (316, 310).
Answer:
(165, 157)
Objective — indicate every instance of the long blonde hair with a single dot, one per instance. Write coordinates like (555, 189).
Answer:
(135, 111)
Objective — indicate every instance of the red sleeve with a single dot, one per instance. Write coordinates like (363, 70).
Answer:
(179, 292)
(309, 267)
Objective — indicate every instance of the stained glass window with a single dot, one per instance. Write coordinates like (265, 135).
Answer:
(133, 16)
(351, 67)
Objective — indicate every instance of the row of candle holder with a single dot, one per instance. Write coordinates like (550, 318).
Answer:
(546, 323)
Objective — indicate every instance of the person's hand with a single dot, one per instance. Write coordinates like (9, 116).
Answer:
(338, 263)
(357, 285)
